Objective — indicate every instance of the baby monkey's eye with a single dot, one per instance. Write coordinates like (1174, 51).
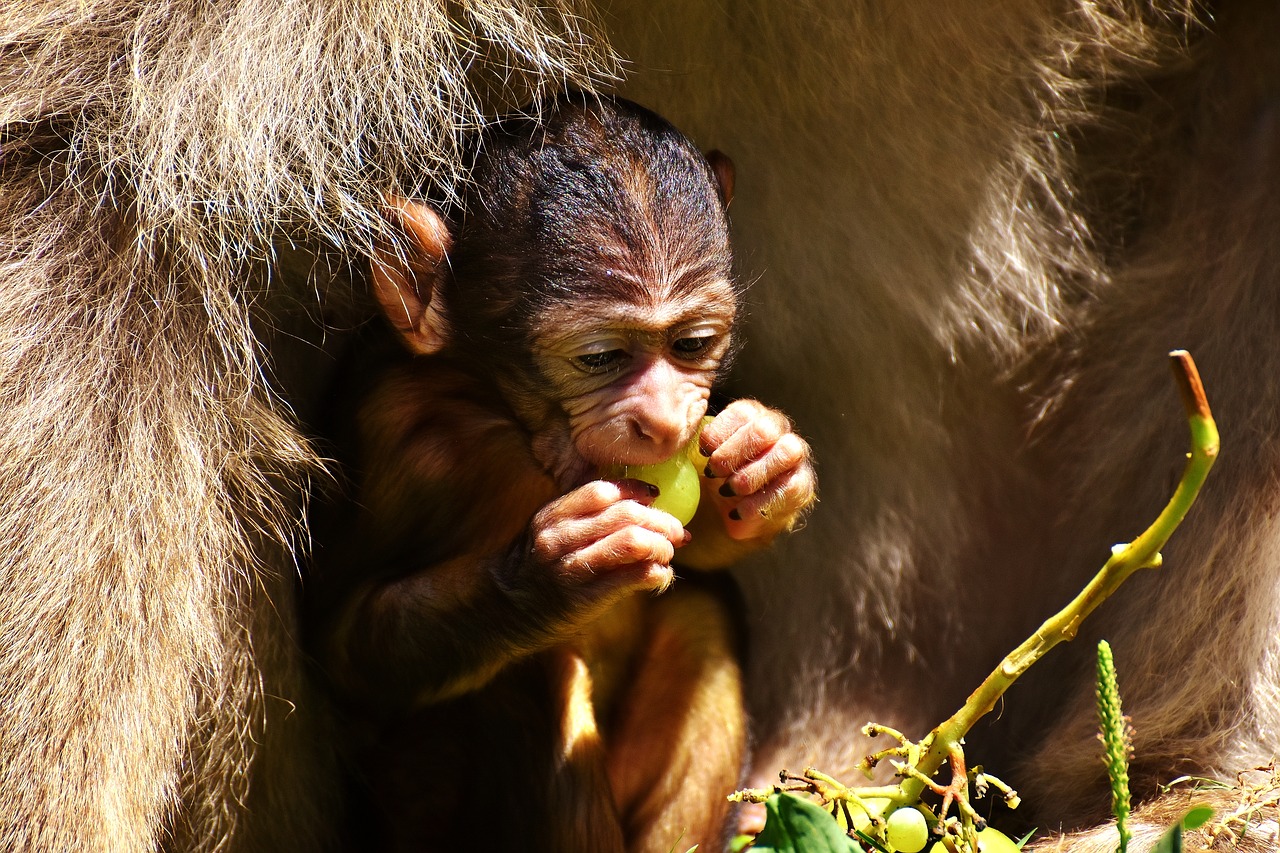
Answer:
(692, 347)
(599, 362)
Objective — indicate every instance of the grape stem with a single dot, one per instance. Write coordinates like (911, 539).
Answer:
(1141, 553)
(944, 743)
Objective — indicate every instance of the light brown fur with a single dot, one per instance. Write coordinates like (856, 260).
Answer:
(151, 154)
(1022, 208)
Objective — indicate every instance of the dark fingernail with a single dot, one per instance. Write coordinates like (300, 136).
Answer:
(735, 515)
(708, 473)
(633, 483)
(688, 537)
(727, 491)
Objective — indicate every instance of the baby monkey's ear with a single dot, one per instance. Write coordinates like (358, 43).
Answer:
(722, 166)
(408, 276)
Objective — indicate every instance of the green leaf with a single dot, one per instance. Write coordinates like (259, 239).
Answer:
(1171, 841)
(795, 825)
(1197, 817)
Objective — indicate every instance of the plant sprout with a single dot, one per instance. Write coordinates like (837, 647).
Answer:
(866, 810)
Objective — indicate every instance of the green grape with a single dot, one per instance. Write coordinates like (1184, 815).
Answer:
(989, 841)
(678, 479)
(861, 820)
(906, 830)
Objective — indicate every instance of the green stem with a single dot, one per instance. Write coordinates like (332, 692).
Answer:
(1143, 552)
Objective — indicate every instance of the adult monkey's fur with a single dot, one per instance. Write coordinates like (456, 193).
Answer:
(152, 153)
(979, 227)
(999, 217)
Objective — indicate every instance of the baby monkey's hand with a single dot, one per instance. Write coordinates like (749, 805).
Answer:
(760, 473)
(601, 540)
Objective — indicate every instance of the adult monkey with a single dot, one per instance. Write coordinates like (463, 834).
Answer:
(151, 153)
(1001, 213)
(1003, 216)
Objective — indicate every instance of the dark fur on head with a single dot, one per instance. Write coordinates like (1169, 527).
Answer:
(586, 198)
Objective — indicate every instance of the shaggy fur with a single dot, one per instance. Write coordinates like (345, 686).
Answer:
(152, 154)
(978, 227)
(1001, 216)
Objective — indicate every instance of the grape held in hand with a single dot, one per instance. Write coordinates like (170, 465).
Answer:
(678, 479)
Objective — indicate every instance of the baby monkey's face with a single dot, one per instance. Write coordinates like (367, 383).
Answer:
(630, 382)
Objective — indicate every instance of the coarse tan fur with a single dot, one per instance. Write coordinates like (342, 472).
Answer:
(977, 226)
(153, 153)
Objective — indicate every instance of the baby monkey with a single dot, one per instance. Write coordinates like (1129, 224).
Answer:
(480, 617)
